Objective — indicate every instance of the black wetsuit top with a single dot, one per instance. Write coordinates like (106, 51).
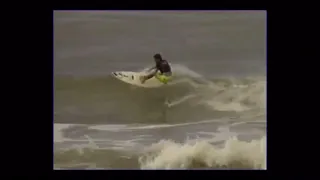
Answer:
(163, 66)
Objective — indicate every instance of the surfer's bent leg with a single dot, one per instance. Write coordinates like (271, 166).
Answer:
(163, 78)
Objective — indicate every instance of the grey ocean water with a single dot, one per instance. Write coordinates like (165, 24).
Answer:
(212, 115)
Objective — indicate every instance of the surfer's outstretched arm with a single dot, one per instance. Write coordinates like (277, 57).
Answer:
(152, 68)
(149, 76)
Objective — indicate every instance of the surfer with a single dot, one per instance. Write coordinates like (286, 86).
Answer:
(162, 70)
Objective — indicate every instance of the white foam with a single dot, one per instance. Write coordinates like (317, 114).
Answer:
(57, 134)
(233, 95)
(181, 100)
(167, 154)
(110, 127)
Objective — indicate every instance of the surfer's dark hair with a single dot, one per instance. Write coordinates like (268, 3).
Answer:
(157, 56)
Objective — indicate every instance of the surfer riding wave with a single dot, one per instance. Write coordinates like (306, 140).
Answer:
(162, 70)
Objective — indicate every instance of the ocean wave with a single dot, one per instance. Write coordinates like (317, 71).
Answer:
(189, 97)
(167, 154)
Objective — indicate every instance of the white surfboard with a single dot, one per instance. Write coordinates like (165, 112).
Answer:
(134, 79)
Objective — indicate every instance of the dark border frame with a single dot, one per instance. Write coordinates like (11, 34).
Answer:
(32, 93)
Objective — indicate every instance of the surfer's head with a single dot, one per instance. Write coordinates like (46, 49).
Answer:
(157, 57)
